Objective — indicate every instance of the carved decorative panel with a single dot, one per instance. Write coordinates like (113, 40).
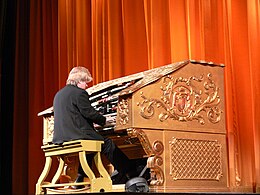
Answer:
(193, 159)
(123, 111)
(48, 129)
(184, 99)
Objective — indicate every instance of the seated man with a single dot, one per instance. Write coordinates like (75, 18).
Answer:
(74, 119)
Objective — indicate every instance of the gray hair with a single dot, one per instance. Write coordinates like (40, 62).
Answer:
(78, 74)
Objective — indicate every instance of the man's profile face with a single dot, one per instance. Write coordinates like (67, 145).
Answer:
(82, 85)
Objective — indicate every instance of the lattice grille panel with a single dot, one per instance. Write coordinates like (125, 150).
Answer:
(195, 159)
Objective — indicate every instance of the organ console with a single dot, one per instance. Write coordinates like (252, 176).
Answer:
(172, 119)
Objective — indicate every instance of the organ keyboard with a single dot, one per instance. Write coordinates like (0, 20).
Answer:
(173, 117)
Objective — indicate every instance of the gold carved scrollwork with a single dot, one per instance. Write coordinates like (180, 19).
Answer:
(123, 111)
(50, 126)
(155, 161)
(157, 176)
(184, 99)
(140, 134)
(158, 147)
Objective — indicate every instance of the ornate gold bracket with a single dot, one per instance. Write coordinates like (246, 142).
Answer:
(154, 161)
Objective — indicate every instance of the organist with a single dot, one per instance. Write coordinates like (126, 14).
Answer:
(74, 119)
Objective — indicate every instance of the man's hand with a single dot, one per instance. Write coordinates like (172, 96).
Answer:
(110, 120)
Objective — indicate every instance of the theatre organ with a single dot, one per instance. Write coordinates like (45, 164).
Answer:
(172, 116)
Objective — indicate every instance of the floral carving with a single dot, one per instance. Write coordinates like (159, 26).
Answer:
(50, 126)
(123, 111)
(185, 99)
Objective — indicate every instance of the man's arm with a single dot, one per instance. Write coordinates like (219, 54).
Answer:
(88, 111)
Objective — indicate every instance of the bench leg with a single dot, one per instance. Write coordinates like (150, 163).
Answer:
(104, 183)
(43, 175)
(100, 167)
(84, 164)
(59, 171)
(101, 184)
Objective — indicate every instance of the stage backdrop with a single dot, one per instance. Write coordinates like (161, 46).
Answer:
(116, 38)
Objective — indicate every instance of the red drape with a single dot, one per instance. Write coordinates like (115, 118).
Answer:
(120, 37)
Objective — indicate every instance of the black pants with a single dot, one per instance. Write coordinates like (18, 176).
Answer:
(115, 156)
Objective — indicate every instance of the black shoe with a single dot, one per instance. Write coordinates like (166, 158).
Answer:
(79, 179)
(119, 177)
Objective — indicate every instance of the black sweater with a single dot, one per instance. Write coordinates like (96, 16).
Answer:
(74, 116)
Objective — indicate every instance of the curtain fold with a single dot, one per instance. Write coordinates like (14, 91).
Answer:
(243, 96)
(43, 75)
(253, 9)
(21, 94)
(120, 37)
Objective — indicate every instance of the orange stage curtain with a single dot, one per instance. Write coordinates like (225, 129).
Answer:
(121, 37)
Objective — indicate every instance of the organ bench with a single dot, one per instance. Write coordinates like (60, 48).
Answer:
(80, 148)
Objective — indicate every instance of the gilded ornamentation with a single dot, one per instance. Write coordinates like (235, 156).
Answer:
(155, 161)
(157, 176)
(195, 159)
(140, 134)
(184, 99)
(123, 111)
(158, 147)
(50, 126)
